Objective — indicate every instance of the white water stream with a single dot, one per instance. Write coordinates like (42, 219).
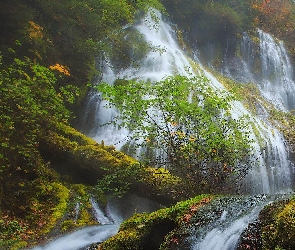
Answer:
(115, 213)
(265, 63)
(83, 238)
(223, 232)
(99, 215)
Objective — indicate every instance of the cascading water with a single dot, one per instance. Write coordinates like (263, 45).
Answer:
(277, 73)
(270, 176)
(117, 210)
(265, 63)
(220, 224)
(83, 238)
(165, 60)
(272, 173)
(274, 79)
(273, 168)
(99, 215)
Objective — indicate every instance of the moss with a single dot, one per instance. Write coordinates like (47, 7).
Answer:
(44, 208)
(83, 149)
(128, 239)
(286, 225)
(67, 146)
(68, 225)
(19, 245)
(11, 232)
(61, 195)
(148, 230)
(278, 225)
(162, 180)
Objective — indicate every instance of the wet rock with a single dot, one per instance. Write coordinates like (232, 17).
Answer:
(251, 237)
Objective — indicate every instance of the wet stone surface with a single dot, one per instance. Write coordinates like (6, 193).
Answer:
(251, 237)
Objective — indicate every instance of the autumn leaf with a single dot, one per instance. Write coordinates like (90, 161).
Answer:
(60, 68)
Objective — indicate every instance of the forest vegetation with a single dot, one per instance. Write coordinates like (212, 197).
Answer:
(50, 57)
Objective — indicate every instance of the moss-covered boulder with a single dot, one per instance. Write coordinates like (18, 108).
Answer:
(150, 231)
(274, 228)
(278, 225)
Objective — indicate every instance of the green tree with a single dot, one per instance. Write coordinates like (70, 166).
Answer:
(30, 105)
(185, 126)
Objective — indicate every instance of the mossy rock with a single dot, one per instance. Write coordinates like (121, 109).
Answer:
(148, 231)
(74, 154)
(278, 225)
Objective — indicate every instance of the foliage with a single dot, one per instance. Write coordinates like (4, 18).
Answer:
(164, 181)
(276, 17)
(11, 232)
(31, 104)
(118, 181)
(73, 33)
(25, 87)
(186, 122)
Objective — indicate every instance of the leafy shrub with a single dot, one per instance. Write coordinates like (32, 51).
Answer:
(183, 125)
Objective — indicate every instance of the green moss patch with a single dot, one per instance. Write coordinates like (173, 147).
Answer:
(278, 225)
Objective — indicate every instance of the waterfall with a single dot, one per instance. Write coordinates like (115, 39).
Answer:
(272, 171)
(269, 68)
(226, 219)
(99, 215)
(83, 238)
(277, 73)
(265, 62)
(116, 211)
(77, 211)
(164, 60)
(273, 168)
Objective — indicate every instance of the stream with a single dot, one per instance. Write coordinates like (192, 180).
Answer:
(271, 176)
(109, 219)
(82, 238)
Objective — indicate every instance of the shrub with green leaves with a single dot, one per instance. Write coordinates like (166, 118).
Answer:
(184, 125)
(30, 106)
